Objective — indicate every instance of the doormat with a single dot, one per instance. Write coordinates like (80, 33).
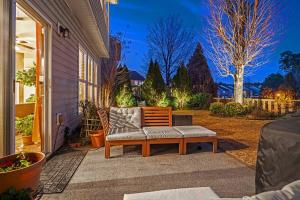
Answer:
(59, 170)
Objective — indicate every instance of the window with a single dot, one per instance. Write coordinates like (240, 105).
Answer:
(88, 79)
(82, 75)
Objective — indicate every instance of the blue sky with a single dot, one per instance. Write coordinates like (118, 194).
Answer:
(133, 17)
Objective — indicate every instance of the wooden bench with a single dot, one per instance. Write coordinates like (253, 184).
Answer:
(152, 117)
(157, 117)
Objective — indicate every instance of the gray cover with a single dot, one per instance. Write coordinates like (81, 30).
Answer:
(278, 157)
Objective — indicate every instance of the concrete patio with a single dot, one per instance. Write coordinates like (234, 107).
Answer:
(99, 178)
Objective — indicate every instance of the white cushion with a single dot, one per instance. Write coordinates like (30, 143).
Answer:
(125, 134)
(200, 193)
(194, 131)
(125, 117)
(161, 132)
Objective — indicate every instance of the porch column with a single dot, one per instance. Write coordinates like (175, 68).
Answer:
(7, 62)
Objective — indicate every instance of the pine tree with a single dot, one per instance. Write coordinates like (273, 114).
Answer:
(124, 94)
(199, 73)
(181, 80)
(158, 81)
(154, 84)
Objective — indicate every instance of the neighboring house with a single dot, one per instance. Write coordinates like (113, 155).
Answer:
(65, 41)
(136, 79)
(251, 90)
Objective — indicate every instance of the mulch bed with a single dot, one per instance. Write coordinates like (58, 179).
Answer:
(238, 136)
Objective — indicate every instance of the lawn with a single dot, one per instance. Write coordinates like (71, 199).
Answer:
(239, 136)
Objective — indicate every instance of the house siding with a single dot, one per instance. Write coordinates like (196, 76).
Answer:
(64, 65)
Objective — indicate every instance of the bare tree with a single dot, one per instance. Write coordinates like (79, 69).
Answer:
(112, 73)
(241, 35)
(170, 42)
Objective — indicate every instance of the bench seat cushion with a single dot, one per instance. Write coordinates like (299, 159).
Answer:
(194, 131)
(200, 193)
(161, 132)
(125, 134)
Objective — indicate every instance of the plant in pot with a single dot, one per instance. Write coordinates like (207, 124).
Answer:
(27, 77)
(21, 171)
(24, 126)
(91, 125)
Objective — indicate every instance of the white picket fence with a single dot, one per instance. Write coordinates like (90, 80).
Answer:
(270, 105)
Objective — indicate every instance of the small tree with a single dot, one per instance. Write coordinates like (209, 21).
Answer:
(182, 97)
(125, 97)
(241, 34)
(181, 80)
(273, 81)
(154, 85)
(199, 73)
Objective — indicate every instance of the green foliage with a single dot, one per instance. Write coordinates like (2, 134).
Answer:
(289, 61)
(31, 99)
(273, 81)
(290, 81)
(200, 101)
(200, 74)
(89, 110)
(90, 117)
(164, 101)
(233, 109)
(13, 194)
(154, 85)
(22, 160)
(25, 125)
(216, 108)
(182, 98)
(26, 77)
(181, 80)
(125, 98)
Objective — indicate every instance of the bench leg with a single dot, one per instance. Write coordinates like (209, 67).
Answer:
(107, 150)
(215, 146)
(182, 148)
(148, 149)
(144, 149)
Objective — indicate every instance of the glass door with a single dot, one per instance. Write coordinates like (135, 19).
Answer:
(29, 87)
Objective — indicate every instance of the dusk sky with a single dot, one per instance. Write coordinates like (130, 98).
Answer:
(133, 17)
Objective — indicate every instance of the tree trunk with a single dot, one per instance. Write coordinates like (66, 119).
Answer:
(238, 85)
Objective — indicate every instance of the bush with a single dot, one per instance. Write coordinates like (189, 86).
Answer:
(233, 109)
(164, 101)
(216, 108)
(125, 98)
(181, 98)
(25, 125)
(200, 101)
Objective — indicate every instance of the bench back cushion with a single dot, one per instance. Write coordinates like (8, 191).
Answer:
(125, 117)
(156, 116)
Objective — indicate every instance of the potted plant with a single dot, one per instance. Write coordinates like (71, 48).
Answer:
(91, 125)
(24, 126)
(21, 171)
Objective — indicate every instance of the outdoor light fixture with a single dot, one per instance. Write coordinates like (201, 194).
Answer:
(64, 32)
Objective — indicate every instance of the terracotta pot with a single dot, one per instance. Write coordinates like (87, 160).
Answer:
(27, 140)
(28, 177)
(97, 138)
